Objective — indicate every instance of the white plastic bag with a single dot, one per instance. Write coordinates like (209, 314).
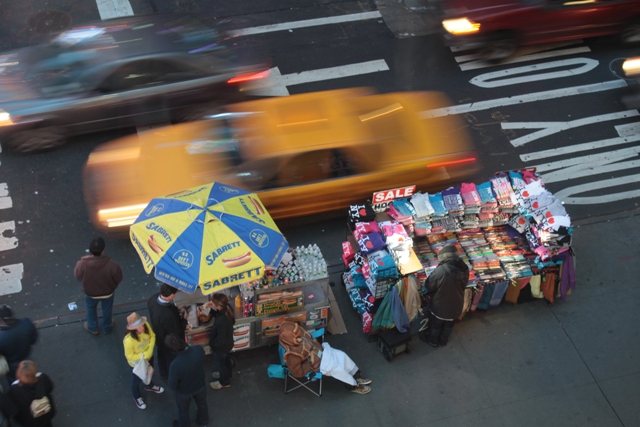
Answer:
(143, 370)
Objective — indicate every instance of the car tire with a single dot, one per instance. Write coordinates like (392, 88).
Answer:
(631, 34)
(38, 139)
(501, 46)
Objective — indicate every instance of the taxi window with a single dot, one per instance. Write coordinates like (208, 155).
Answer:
(315, 166)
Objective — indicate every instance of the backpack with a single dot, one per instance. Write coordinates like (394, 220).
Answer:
(302, 352)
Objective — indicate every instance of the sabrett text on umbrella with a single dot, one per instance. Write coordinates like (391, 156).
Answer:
(148, 262)
(244, 276)
(155, 227)
(222, 249)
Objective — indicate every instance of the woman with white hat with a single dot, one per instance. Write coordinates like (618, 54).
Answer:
(139, 340)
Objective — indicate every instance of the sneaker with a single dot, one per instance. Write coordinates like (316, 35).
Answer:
(217, 386)
(361, 389)
(363, 381)
(215, 375)
(155, 389)
(86, 328)
(140, 403)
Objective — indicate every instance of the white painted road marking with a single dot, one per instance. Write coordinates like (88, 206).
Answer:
(505, 77)
(572, 149)
(109, 9)
(522, 99)
(306, 23)
(11, 279)
(5, 200)
(578, 167)
(530, 53)
(567, 195)
(276, 84)
(7, 243)
(549, 128)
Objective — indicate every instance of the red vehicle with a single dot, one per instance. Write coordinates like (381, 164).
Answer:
(498, 27)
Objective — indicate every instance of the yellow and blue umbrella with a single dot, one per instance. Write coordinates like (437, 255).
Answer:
(215, 236)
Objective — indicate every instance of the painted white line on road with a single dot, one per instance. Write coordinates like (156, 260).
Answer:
(7, 243)
(523, 57)
(5, 200)
(276, 84)
(109, 9)
(590, 165)
(306, 23)
(11, 279)
(504, 77)
(522, 99)
(629, 129)
(571, 149)
(549, 128)
(567, 195)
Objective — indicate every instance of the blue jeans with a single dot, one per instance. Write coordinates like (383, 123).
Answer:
(136, 381)
(135, 386)
(223, 365)
(92, 313)
(184, 400)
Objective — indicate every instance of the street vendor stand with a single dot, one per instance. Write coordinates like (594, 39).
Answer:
(218, 238)
(305, 302)
(511, 232)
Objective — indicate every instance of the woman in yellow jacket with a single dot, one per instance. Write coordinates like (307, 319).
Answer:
(139, 340)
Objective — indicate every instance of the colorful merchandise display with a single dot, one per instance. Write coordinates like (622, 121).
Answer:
(514, 235)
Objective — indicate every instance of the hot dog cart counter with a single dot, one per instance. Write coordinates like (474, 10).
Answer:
(259, 311)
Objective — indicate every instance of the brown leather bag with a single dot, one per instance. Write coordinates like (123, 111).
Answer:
(302, 352)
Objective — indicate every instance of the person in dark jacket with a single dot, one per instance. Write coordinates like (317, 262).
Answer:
(100, 276)
(446, 284)
(221, 341)
(31, 385)
(16, 338)
(187, 380)
(165, 319)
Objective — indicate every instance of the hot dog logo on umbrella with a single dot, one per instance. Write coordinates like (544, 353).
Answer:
(154, 245)
(237, 261)
(257, 205)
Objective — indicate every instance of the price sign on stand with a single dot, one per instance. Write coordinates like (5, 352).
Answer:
(381, 199)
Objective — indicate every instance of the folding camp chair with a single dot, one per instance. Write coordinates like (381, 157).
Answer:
(308, 379)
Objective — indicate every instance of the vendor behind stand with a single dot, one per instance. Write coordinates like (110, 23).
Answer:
(221, 341)
(446, 284)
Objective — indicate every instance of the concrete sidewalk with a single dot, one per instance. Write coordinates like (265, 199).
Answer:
(572, 363)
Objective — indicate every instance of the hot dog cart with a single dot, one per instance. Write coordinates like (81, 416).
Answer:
(261, 306)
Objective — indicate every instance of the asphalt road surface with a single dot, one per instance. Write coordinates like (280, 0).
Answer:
(553, 107)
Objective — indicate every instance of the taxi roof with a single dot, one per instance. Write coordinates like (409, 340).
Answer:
(353, 117)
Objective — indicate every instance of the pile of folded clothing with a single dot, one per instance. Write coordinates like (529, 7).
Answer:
(427, 257)
(503, 190)
(361, 213)
(422, 206)
(382, 265)
(507, 245)
(437, 202)
(453, 201)
(398, 241)
(470, 198)
(402, 211)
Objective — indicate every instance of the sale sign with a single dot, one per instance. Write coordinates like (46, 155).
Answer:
(381, 199)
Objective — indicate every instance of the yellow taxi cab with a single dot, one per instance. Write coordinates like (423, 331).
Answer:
(303, 154)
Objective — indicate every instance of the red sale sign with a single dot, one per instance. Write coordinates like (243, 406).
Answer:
(381, 199)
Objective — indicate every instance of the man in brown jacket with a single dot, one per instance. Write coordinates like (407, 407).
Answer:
(100, 277)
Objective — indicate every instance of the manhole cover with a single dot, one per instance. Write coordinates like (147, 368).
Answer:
(48, 22)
